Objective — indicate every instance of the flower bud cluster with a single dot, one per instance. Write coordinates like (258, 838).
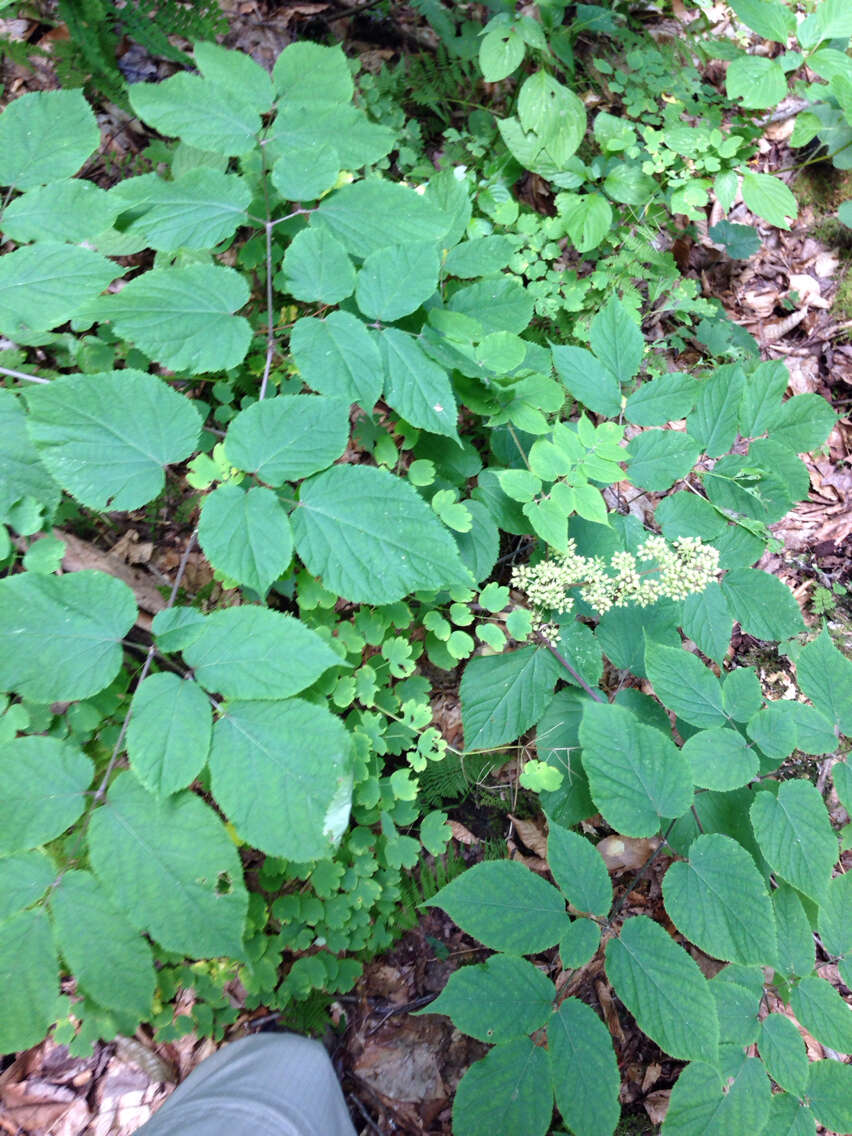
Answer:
(673, 571)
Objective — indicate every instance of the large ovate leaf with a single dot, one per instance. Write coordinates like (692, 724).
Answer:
(22, 473)
(171, 868)
(500, 303)
(196, 211)
(202, 113)
(829, 1094)
(769, 198)
(236, 71)
(371, 537)
(796, 837)
(706, 618)
(106, 438)
(64, 211)
(44, 784)
(771, 19)
(24, 878)
(758, 82)
(316, 266)
(60, 636)
(803, 422)
(281, 772)
(256, 653)
(585, 1071)
(823, 1012)
(579, 870)
(664, 990)
(713, 423)
(43, 285)
(762, 604)
(795, 938)
(587, 379)
(504, 905)
(110, 960)
(337, 357)
(29, 972)
(395, 281)
(825, 676)
(415, 386)
(289, 437)
(169, 733)
(508, 1091)
(307, 170)
(45, 136)
(183, 317)
(636, 775)
(503, 999)
(684, 684)
(783, 1051)
(246, 535)
(701, 1103)
(313, 76)
(718, 900)
(373, 214)
(659, 457)
(503, 695)
(720, 759)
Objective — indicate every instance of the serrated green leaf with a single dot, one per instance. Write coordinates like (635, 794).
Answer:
(662, 400)
(22, 473)
(773, 730)
(739, 241)
(246, 535)
(502, 999)
(190, 896)
(307, 171)
(499, 303)
(708, 622)
(617, 341)
(795, 937)
(664, 990)
(684, 684)
(636, 774)
(415, 386)
(45, 136)
(585, 1072)
(713, 423)
(769, 197)
(317, 267)
(373, 214)
(480, 547)
(281, 771)
(658, 458)
(237, 71)
(289, 437)
(829, 1094)
(686, 514)
(479, 256)
(44, 785)
(196, 211)
(504, 905)
(337, 357)
(24, 878)
(60, 636)
(29, 971)
(395, 281)
(623, 633)
(313, 76)
(43, 285)
(759, 82)
(183, 317)
(742, 695)
(110, 960)
(720, 759)
(579, 870)
(769, 18)
(803, 422)
(371, 537)
(579, 942)
(825, 676)
(796, 837)
(106, 438)
(737, 1007)
(789, 1116)
(503, 695)
(587, 380)
(256, 653)
(508, 1091)
(718, 900)
(823, 1012)
(357, 140)
(835, 927)
(701, 1102)
(201, 112)
(169, 734)
(762, 604)
(64, 211)
(783, 1051)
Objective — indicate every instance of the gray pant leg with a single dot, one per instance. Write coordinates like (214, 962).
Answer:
(266, 1085)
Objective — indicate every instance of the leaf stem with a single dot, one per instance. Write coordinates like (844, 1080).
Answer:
(22, 375)
(575, 674)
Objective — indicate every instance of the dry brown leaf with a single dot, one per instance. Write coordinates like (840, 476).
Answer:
(461, 834)
(610, 1011)
(651, 1076)
(626, 853)
(532, 834)
(657, 1105)
(808, 290)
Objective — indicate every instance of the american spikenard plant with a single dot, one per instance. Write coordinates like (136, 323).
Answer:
(356, 317)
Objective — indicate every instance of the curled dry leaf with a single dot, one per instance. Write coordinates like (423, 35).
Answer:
(461, 834)
(626, 853)
(532, 835)
(657, 1105)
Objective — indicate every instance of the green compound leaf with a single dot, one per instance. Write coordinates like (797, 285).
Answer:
(503, 999)
(44, 785)
(42, 286)
(829, 1094)
(617, 340)
(823, 1012)
(415, 386)
(313, 76)
(796, 949)
(109, 959)
(664, 990)
(281, 771)
(45, 136)
(246, 535)
(587, 380)
(236, 71)
(256, 653)
(22, 473)
(762, 604)
(721, 759)
(795, 835)
(636, 775)
(182, 317)
(371, 537)
(579, 870)
(29, 971)
(505, 906)
(106, 438)
(316, 267)
(585, 1072)
(825, 676)
(783, 1051)
(289, 437)
(60, 636)
(370, 215)
(508, 1091)
(196, 211)
(395, 281)
(24, 878)
(503, 695)
(769, 198)
(718, 900)
(202, 113)
(700, 1102)
(65, 211)
(337, 357)
(658, 458)
(169, 734)
(684, 684)
(190, 896)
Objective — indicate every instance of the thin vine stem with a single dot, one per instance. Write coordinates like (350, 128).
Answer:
(22, 375)
(613, 915)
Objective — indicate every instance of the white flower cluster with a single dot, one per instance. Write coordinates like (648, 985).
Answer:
(674, 571)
